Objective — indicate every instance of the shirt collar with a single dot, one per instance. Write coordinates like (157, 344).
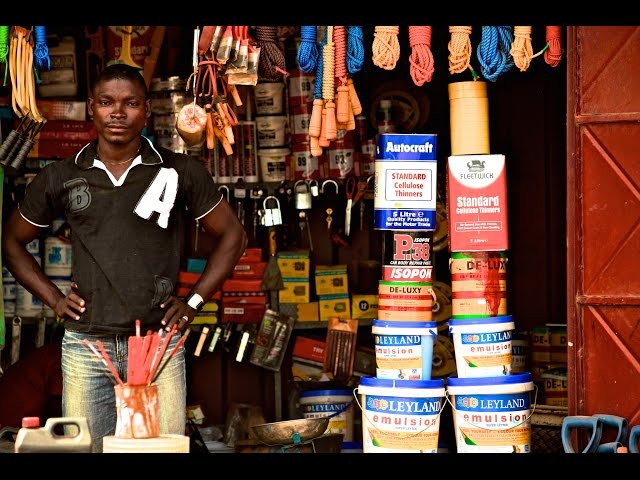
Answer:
(150, 156)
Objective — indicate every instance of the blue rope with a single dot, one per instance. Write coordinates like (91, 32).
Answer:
(308, 51)
(355, 49)
(317, 88)
(493, 51)
(41, 51)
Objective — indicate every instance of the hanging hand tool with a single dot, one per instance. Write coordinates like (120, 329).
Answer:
(354, 190)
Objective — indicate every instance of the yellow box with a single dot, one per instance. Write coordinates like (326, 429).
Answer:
(335, 306)
(364, 306)
(294, 264)
(295, 291)
(558, 342)
(309, 312)
(331, 279)
(540, 345)
(208, 318)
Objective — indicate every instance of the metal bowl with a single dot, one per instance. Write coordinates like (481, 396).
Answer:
(291, 431)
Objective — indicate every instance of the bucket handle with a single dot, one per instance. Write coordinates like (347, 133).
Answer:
(409, 435)
(535, 402)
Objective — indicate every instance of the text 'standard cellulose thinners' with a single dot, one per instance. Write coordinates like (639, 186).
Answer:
(405, 182)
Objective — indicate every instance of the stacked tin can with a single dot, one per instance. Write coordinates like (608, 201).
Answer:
(272, 130)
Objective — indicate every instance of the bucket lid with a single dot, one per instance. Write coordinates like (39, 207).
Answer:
(389, 382)
(520, 377)
(393, 324)
(480, 320)
(325, 393)
(274, 151)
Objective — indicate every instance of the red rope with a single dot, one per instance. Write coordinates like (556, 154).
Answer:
(340, 39)
(553, 55)
(421, 58)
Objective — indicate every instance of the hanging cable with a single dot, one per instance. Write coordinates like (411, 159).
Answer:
(272, 63)
(421, 58)
(41, 51)
(521, 49)
(553, 55)
(460, 50)
(386, 47)
(493, 51)
(308, 50)
(355, 49)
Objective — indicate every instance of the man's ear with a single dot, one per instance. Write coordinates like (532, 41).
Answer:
(90, 107)
(147, 107)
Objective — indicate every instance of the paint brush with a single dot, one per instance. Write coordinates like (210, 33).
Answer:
(102, 359)
(109, 364)
(173, 352)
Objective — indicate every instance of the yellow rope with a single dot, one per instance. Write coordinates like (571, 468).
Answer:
(459, 49)
(521, 49)
(386, 47)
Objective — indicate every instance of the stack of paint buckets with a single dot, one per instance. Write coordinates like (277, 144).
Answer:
(491, 404)
(401, 405)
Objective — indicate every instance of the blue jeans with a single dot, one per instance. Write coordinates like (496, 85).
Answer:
(88, 385)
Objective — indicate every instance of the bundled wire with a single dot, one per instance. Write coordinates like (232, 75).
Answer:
(272, 62)
(421, 58)
(308, 50)
(355, 49)
(553, 55)
(493, 51)
(386, 47)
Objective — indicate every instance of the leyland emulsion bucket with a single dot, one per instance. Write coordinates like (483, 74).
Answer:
(483, 346)
(492, 414)
(400, 416)
(335, 404)
(404, 350)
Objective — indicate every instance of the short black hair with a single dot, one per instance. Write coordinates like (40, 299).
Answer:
(121, 71)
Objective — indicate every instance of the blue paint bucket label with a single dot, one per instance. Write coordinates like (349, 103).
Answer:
(400, 416)
(405, 182)
(335, 404)
(492, 414)
(404, 350)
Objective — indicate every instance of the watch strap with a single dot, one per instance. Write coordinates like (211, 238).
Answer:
(195, 301)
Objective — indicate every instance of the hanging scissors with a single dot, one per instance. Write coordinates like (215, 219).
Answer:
(355, 190)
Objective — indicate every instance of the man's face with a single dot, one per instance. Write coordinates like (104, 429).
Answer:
(119, 110)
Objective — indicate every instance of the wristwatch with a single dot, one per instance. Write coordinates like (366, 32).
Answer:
(195, 301)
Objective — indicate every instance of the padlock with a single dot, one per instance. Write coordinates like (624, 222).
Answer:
(303, 198)
(315, 189)
(272, 216)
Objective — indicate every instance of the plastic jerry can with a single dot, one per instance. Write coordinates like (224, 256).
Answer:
(59, 435)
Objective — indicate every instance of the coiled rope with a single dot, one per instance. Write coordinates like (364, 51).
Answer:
(493, 51)
(386, 47)
(4, 49)
(343, 111)
(41, 51)
(308, 50)
(553, 55)
(272, 63)
(460, 50)
(521, 49)
(328, 88)
(315, 122)
(355, 49)
(421, 58)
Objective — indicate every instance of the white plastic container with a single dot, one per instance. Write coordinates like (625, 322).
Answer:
(159, 444)
(57, 257)
(272, 130)
(273, 164)
(269, 98)
(32, 438)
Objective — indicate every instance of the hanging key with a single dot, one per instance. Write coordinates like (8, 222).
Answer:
(329, 218)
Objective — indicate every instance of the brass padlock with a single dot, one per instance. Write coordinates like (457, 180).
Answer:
(272, 216)
(303, 197)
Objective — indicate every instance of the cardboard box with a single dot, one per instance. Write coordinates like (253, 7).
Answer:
(67, 130)
(295, 291)
(477, 203)
(309, 349)
(294, 264)
(302, 312)
(249, 270)
(364, 306)
(335, 306)
(331, 279)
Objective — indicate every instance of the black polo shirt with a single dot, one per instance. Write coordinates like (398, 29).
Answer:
(125, 236)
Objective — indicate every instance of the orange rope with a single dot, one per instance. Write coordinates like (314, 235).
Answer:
(459, 49)
(340, 39)
(553, 55)
(421, 58)
(521, 49)
(386, 47)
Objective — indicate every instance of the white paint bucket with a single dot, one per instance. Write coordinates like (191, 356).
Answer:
(404, 350)
(482, 345)
(159, 444)
(400, 416)
(57, 257)
(27, 305)
(269, 98)
(33, 247)
(492, 414)
(271, 130)
(64, 284)
(273, 164)
(335, 404)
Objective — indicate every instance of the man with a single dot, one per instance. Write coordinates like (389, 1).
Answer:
(124, 200)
